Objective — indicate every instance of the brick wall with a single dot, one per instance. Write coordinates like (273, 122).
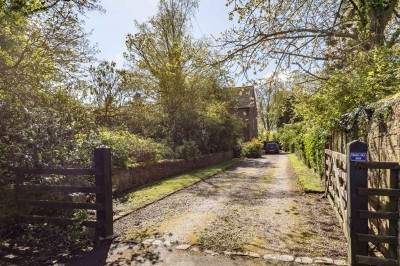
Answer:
(133, 177)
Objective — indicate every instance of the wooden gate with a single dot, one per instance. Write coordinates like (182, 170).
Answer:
(336, 184)
(102, 189)
(347, 189)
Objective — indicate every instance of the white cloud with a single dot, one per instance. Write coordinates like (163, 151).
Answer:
(283, 76)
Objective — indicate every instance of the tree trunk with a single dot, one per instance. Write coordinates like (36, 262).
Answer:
(379, 17)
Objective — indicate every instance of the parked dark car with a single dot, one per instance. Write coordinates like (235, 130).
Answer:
(271, 147)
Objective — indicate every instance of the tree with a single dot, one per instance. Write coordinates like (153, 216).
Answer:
(346, 52)
(162, 50)
(42, 55)
(266, 93)
(175, 71)
(110, 91)
(308, 33)
(29, 7)
(275, 102)
(369, 77)
(39, 53)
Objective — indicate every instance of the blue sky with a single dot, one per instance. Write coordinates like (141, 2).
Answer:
(110, 28)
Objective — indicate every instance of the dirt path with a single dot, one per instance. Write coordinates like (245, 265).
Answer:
(255, 208)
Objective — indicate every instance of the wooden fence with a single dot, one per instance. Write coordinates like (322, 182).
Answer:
(336, 184)
(347, 189)
(102, 189)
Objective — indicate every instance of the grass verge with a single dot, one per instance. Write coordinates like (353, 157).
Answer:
(308, 180)
(156, 191)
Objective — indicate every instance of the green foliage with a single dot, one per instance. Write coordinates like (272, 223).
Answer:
(219, 129)
(42, 53)
(163, 151)
(48, 134)
(109, 92)
(336, 104)
(252, 149)
(288, 136)
(368, 77)
(28, 7)
(80, 215)
(128, 149)
(307, 179)
(188, 150)
(175, 74)
(314, 140)
(308, 142)
(121, 144)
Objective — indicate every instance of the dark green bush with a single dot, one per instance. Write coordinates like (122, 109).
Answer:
(45, 136)
(188, 150)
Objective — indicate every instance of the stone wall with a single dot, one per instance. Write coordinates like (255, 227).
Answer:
(381, 131)
(383, 141)
(133, 177)
(384, 137)
(8, 206)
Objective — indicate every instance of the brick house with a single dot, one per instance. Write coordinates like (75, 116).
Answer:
(247, 110)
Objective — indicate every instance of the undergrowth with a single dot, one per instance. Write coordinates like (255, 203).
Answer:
(309, 181)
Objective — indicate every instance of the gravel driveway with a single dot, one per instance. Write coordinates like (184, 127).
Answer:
(254, 208)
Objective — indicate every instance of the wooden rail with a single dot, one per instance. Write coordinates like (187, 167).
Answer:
(336, 185)
(391, 214)
(24, 171)
(102, 189)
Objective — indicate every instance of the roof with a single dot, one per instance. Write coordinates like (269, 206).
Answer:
(246, 96)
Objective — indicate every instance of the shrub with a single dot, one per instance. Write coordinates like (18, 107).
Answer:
(120, 143)
(128, 148)
(289, 136)
(163, 151)
(37, 135)
(252, 149)
(188, 150)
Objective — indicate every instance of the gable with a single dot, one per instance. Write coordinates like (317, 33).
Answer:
(245, 96)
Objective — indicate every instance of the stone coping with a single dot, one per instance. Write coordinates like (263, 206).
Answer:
(267, 257)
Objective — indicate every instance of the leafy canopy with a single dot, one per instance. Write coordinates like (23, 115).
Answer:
(308, 33)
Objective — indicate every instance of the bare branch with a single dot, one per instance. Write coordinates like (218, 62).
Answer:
(310, 73)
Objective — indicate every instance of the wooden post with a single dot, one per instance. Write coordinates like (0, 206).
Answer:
(326, 168)
(393, 207)
(19, 180)
(398, 219)
(102, 162)
(357, 178)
